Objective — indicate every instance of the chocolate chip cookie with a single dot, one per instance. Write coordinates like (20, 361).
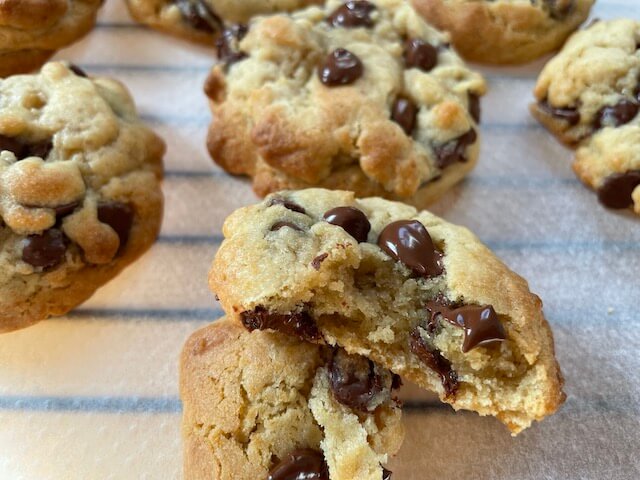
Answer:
(32, 30)
(80, 191)
(589, 97)
(363, 96)
(505, 31)
(262, 405)
(203, 21)
(413, 293)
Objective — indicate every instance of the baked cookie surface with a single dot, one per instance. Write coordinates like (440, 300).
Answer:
(363, 96)
(505, 31)
(589, 97)
(32, 30)
(264, 405)
(80, 190)
(404, 288)
(204, 20)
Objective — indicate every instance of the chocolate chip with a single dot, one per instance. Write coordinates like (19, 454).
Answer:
(409, 242)
(46, 250)
(480, 323)
(615, 115)
(616, 190)
(396, 382)
(433, 359)
(66, 209)
(474, 106)
(352, 14)
(352, 221)
(199, 15)
(454, 150)
(301, 464)
(404, 113)
(420, 54)
(23, 150)
(77, 70)
(298, 324)
(386, 474)
(227, 45)
(288, 204)
(559, 9)
(316, 262)
(341, 67)
(354, 381)
(118, 216)
(12, 145)
(40, 149)
(278, 225)
(567, 114)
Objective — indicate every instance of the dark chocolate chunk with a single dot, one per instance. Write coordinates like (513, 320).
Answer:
(23, 150)
(40, 149)
(288, 204)
(616, 190)
(396, 382)
(278, 225)
(404, 113)
(354, 381)
(12, 145)
(480, 323)
(301, 464)
(420, 54)
(352, 221)
(407, 241)
(227, 45)
(433, 359)
(118, 216)
(46, 250)
(567, 114)
(386, 474)
(77, 70)
(341, 67)
(316, 262)
(352, 14)
(199, 15)
(66, 209)
(298, 324)
(615, 115)
(454, 150)
(474, 106)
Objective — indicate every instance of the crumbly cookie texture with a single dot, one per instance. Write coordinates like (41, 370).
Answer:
(262, 403)
(203, 21)
(363, 96)
(404, 288)
(505, 31)
(80, 190)
(32, 30)
(589, 97)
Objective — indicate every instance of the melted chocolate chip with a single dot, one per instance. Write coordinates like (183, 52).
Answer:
(480, 323)
(432, 358)
(396, 382)
(386, 474)
(77, 70)
(118, 216)
(298, 324)
(567, 114)
(227, 44)
(616, 190)
(46, 250)
(23, 150)
(341, 67)
(409, 242)
(278, 225)
(301, 464)
(352, 14)
(12, 145)
(420, 54)
(454, 150)
(288, 204)
(199, 15)
(352, 221)
(316, 262)
(615, 115)
(474, 106)
(66, 209)
(354, 381)
(404, 113)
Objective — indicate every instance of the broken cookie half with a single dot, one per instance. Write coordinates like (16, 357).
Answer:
(413, 293)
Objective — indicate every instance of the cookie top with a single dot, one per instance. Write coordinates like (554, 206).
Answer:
(403, 287)
(79, 189)
(510, 31)
(31, 30)
(263, 403)
(362, 95)
(204, 20)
